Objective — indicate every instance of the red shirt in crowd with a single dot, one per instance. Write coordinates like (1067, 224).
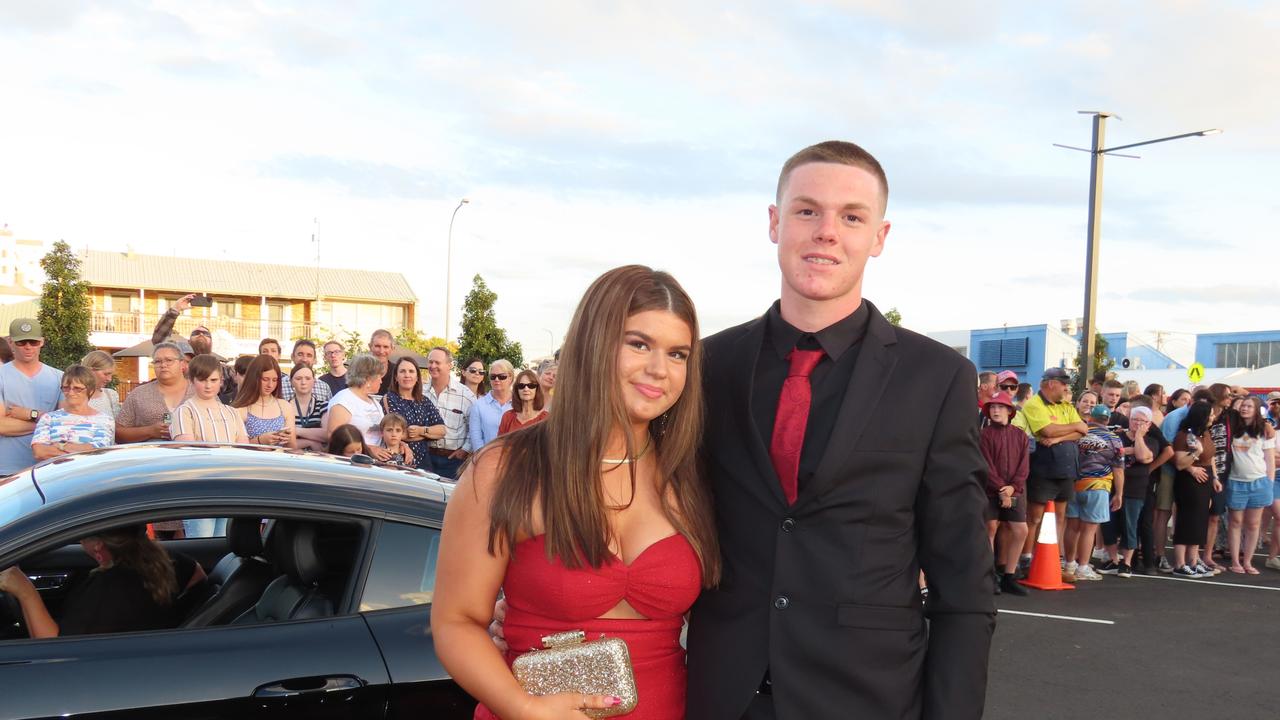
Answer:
(1005, 448)
(510, 422)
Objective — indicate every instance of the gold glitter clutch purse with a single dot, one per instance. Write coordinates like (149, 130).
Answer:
(569, 665)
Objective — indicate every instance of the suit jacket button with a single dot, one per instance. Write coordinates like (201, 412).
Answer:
(782, 602)
(788, 525)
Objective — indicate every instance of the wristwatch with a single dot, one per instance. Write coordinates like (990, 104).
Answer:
(62, 447)
(35, 415)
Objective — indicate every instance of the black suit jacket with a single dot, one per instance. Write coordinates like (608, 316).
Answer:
(824, 593)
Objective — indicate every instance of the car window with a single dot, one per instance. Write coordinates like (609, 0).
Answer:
(403, 571)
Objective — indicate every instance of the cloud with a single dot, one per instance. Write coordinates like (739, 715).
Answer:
(1255, 296)
(46, 16)
(356, 177)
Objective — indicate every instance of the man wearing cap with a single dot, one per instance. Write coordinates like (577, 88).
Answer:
(28, 389)
(1056, 426)
(1007, 381)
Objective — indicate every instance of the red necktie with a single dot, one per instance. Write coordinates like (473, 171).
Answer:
(792, 417)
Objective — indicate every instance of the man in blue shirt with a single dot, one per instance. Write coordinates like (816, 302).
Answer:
(28, 390)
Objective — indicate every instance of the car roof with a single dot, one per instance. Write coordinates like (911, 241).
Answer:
(198, 474)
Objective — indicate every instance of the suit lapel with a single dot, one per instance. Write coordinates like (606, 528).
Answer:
(876, 360)
(744, 359)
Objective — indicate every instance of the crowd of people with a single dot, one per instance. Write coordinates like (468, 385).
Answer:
(377, 403)
(1119, 466)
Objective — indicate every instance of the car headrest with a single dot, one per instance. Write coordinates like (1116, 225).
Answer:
(293, 546)
(244, 535)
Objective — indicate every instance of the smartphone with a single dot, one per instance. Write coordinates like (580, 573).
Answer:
(202, 301)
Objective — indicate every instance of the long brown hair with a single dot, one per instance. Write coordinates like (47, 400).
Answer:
(539, 398)
(557, 462)
(130, 547)
(251, 389)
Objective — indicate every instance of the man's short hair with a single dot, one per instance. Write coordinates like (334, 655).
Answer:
(1113, 385)
(1141, 401)
(838, 152)
(334, 342)
(303, 343)
(267, 341)
(447, 355)
(985, 377)
(383, 333)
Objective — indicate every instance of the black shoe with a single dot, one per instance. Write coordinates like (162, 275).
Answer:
(1123, 570)
(1011, 586)
(1110, 567)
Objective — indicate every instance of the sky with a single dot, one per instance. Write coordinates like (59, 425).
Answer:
(587, 135)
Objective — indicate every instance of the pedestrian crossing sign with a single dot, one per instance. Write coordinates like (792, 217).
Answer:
(1195, 373)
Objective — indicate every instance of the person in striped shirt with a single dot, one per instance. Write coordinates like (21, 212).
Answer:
(202, 417)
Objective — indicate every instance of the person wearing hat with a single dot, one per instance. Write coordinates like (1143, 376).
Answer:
(1005, 449)
(28, 390)
(1007, 381)
(1055, 425)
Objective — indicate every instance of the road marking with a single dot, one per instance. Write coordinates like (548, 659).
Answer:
(1058, 617)
(1208, 582)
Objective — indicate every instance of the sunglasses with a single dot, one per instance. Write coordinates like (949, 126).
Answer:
(526, 386)
(1008, 387)
(475, 371)
(499, 376)
(205, 333)
(68, 389)
(26, 343)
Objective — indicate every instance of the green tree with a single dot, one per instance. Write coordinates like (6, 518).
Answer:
(481, 336)
(1102, 363)
(413, 340)
(894, 317)
(64, 308)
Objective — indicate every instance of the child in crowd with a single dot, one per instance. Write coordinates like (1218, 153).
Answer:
(1005, 448)
(1101, 473)
(394, 430)
(347, 440)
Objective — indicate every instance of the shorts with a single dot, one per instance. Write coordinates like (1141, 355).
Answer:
(1164, 489)
(1091, 506)
(1250, 494)
(1042, 490)
(1017, 513)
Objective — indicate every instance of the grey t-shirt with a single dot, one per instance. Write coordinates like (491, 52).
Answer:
(42, 392)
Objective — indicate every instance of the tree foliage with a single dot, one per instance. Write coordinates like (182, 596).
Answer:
(64, 308)
(481, 336)
(413, 340)
(1102, 362)
(894, 317)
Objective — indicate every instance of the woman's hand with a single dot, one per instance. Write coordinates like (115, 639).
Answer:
(379, 453)
(1217, 485)
(1199, 473)
(416, 432)
(565, 706)
(16, 583)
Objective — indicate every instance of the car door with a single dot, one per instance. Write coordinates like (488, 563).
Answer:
(325, 668)
(396, 602)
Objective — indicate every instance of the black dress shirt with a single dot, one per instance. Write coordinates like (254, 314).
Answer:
(841, 342)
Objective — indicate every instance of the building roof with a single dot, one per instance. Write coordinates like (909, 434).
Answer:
(184, 275)
(11, 312)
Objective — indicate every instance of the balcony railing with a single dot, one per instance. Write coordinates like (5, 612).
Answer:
(131, 323)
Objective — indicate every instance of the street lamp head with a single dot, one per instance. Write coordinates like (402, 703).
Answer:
(1214, 131)
(465, 200)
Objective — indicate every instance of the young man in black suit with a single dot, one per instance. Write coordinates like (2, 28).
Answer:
(844, 457)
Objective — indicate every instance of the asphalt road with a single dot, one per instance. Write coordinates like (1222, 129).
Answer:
(1197, 649)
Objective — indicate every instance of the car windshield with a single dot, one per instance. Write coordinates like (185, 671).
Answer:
(18, 496)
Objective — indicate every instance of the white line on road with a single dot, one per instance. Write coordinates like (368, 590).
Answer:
(1208, 582)
(1058, 617)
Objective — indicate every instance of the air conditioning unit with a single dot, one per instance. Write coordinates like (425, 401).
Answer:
(1131, 363)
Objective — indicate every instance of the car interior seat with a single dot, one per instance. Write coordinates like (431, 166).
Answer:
(239, 578)
(295, 594)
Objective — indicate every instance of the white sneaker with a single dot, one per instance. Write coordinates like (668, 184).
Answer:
(1100, 554)
(1273, 563)
(1086, 572)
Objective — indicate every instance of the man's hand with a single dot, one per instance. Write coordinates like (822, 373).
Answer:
(16, 583)
(1116, 501)
(495, 627)
(18, 412)
(459, 454)
(184, 303)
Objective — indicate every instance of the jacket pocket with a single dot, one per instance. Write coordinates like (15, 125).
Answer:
(879, 617)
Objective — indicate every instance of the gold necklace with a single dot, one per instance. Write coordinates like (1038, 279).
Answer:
(629, 460)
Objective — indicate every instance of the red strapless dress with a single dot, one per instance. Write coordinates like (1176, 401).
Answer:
(545, 597)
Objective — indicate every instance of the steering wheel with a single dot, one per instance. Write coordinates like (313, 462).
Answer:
(12, 625)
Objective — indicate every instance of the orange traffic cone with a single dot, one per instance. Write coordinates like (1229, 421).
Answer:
(1046, 568)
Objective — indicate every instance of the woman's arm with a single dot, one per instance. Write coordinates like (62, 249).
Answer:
(290, 426)
(44, 451)
(408, 455)
(338, 416)
(40, 623)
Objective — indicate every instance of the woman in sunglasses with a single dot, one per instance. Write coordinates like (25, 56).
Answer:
(78, 425)
(472, 376)
(486, 413)
(529, 405)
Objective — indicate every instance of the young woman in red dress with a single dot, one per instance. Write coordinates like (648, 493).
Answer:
(594, 519)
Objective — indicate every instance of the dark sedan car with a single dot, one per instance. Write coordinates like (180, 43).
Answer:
(317, 602)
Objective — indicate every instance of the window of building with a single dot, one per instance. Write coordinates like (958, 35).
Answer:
(121, 302)
(1247, 354)
(1003, 353)
(227, 308)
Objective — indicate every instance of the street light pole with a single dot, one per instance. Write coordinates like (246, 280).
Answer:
(1096, 150)
(448, 270)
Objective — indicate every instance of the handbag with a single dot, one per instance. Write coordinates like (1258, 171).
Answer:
(569, 665)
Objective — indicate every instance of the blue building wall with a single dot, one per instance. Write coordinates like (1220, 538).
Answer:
(1207, 344)
(1029, 364)
(1119, 348)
